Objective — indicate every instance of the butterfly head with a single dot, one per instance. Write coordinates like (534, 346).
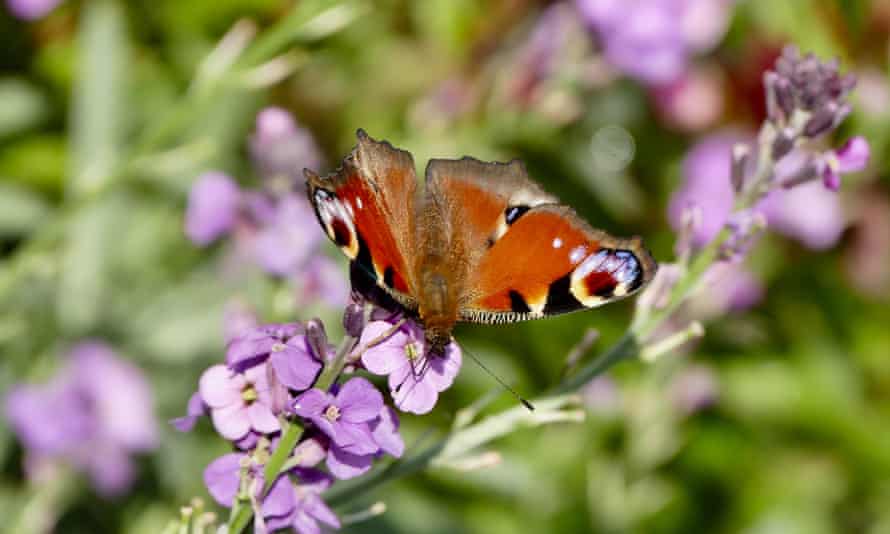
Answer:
(437, 339)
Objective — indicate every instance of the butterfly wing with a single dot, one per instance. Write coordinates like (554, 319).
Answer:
(367, 208)
(529, 256)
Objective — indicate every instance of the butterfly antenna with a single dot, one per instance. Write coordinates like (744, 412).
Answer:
(497, 379)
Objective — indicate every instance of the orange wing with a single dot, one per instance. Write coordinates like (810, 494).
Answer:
(367, 208)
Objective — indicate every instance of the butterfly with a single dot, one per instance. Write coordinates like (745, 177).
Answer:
(480, 243)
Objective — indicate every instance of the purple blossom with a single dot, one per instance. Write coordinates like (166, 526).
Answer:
(299, 506)
(322, 280)
(808, 212)
(222, 477)
(212, 208)
(344, 417)
(285, 347)
(651, 40)
(254, 346)
(289, 239)
(280, 148)
(344, 463)
(851, 157)
(31, 9)
(706, 186)
(239, 402)
(692, 102)
(415, 377)
(94, 414)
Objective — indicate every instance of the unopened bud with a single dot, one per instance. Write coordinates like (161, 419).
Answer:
(741, 153)
(783, 143)
(354, 319)
(823, 120)
(317, 338)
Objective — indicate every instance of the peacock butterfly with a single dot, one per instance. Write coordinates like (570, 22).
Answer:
(481, 243)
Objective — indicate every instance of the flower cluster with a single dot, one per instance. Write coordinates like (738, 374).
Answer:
(272, 226)
(93, 415)
(653, 40)
(785, 181)
(281, 377)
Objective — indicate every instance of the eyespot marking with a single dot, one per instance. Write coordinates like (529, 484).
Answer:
(342, 234)
(577, 254)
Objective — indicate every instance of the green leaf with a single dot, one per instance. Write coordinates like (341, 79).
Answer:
(22, 106)
(99, 103)
(20, 210)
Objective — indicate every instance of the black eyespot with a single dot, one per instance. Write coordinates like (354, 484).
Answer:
(513, 213)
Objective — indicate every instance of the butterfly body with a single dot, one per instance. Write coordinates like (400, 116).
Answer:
(481, 242)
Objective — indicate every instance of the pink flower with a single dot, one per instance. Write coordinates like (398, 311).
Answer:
(415, 377)
(239, 402)
(851, 157)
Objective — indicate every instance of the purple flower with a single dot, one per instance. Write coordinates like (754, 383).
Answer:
(222, 477)
(344, 417)
(344, 463)
(323, 280)
(808, 212)
(94, 414)
(851, 157)
(239, 402)
(289, 239)
(212, 207)
(285, 347)
(280, 148)
(415, 377)
(693, 102)
(643, 38)
(223, 480)
(31, 9)
(299, 506)
(706, 186)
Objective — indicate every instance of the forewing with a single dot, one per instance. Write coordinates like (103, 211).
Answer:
(367, 208)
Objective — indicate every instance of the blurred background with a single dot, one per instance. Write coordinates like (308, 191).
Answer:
(146, 152)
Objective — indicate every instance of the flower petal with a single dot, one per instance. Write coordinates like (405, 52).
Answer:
(262, 419)
(312, 403)
(386, 356)
(853, 155)
(443, 369)
(221, 478)
(385, 430)
(281, 500)
(345, 465)
(356, 438)
(317, 508)
(359, 401)
(296, 369)
(231, 421)
(410, 395)
(219, 386)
